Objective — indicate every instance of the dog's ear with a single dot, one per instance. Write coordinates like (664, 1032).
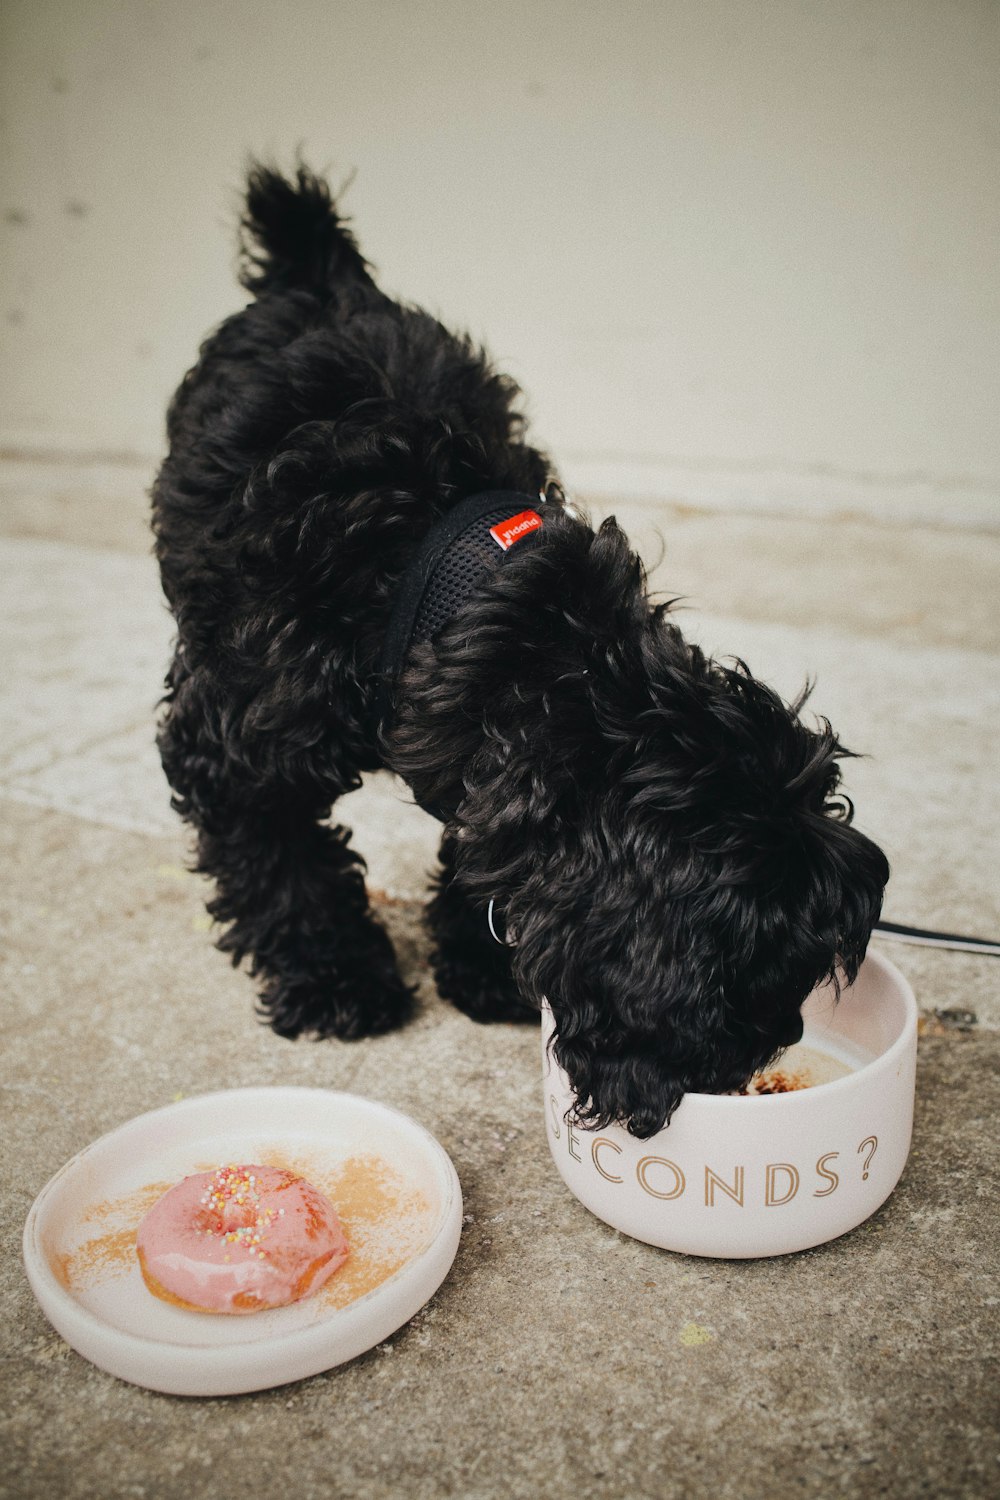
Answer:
(631, 1052)
(666, 974)
(596, 939)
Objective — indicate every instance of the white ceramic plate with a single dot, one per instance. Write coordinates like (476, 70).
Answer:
(393, 1185)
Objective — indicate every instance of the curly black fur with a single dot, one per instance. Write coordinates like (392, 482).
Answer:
(663, 835)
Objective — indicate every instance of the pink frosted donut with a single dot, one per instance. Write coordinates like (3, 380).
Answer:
(239, 1240)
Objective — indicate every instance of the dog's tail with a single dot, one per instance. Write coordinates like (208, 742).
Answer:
(291, 234)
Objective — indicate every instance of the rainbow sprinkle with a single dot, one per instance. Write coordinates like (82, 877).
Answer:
(236, 1188)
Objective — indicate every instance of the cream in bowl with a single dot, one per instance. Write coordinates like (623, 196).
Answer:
(814, 1147)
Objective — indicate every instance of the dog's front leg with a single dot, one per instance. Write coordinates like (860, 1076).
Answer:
(290, 891)
(471, 968)
(293, 893)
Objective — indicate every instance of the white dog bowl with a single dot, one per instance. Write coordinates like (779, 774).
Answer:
(744, 1176)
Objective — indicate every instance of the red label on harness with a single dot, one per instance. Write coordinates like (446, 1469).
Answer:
(506, 533)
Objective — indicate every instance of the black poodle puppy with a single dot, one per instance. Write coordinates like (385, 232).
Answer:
(369, 565)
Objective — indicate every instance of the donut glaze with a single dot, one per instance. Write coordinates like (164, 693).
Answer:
(239, 1240)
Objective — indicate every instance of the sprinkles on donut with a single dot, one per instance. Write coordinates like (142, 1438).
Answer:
(240, 1239)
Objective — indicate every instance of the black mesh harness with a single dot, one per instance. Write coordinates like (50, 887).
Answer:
(457, 555)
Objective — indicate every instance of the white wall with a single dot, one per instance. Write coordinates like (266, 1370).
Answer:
(736, 252)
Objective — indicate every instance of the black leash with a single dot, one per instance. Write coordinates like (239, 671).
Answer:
(892, 930)
(923, 936)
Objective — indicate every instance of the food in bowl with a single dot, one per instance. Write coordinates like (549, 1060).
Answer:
(803, 1066)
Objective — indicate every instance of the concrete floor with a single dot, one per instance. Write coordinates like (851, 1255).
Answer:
(558, 1359)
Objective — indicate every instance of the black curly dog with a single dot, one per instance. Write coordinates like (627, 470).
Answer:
(662, 835)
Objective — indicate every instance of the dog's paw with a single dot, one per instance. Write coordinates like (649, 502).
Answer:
(363, 997)
(484, 990)
(312, 1006)
(471, 968)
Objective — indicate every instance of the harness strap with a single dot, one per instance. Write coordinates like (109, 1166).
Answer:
(457, 555)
